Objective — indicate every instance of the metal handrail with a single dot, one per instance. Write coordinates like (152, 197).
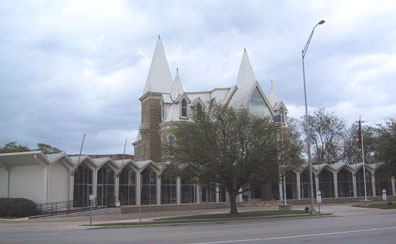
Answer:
(62, 207)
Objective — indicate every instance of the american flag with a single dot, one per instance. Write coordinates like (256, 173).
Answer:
(275, 119)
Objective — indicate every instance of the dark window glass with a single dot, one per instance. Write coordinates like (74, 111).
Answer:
(105, 188)
(82, 186)
(128, 186)
(149, 186)
(171, 141)
(184, 108)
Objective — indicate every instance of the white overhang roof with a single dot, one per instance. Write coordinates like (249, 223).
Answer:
(23, 159)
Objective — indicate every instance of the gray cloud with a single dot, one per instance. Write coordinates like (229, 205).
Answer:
(72, 67)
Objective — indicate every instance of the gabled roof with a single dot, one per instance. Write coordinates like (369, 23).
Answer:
(100, 162)
(146, 163)
(23, 159)
(275, 102)
(183, 96)
(320, 167)
(273, 97)
(196, 101)
(280, 105)
(83, 158)
(246, 73)
(53, 157)
(177, 87)
(159, 78)
(242, 95)
(32, 158)
(121, 164)
(167, 98)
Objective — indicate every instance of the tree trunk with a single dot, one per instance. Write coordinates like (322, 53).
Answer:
(266, 193)
(233, 204)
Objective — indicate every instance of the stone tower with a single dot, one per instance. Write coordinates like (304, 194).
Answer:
(159, 82)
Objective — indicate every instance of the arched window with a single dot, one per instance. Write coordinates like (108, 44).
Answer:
(199, 108)
(163, 109)
(171, 143)
(282, 114)
(184, 108)
(257, 106)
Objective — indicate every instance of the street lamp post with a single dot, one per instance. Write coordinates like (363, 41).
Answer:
(304, 51)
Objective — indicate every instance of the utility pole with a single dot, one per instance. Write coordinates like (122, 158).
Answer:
(363, 163)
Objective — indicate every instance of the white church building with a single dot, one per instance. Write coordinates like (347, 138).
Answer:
(134, 182)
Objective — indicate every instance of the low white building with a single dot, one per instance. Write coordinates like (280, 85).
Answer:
(36, 176)
(59, 177)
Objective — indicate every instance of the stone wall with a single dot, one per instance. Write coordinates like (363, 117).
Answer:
(149, 146)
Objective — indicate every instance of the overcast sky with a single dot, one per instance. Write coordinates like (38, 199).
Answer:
(74, 67)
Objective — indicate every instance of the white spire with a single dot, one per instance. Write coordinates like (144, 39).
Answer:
(246, 74)
(177, 87)
(159, 78)
(273, 98)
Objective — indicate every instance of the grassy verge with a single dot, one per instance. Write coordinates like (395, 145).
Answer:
(215, 218)
(376, 205)
(240, 215)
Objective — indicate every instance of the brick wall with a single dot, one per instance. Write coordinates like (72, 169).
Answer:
(150, 145)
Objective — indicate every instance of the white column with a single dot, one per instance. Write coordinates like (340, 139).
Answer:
(178, 190)
(71, 185)
(217, 194)
(354, 185)
(280, 188)
(138, 189)
(198, 194)
(45, 184)
(95, 183)
(158, 190)
(8, 181)
(335, 179)
(316, 183)
(117, 189)
(298, 182)
(239, 197)
(393, 186)
(373, 183)
(284, 186)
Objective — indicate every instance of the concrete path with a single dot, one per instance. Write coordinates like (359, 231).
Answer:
(77, 222)
(365, 229)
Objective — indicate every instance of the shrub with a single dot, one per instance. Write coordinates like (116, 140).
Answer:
(17, 207)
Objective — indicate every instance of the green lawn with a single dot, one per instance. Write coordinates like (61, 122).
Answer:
(376, 205)
(240, 215)
(216, 218)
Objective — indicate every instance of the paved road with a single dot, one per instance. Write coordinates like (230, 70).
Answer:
(370, 228)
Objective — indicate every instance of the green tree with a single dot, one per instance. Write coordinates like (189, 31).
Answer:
(228, 147)
(47, 149)
(386, 145)
(13, 147)
(352, 151)
(327, 133)
(291, 144)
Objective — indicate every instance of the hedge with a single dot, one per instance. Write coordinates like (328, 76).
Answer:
(17, 207)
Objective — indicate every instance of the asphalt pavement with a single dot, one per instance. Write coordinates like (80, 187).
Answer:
(349, 225)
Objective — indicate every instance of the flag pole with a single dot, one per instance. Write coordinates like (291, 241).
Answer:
(364, 167)
(123, 155)
(79, 155)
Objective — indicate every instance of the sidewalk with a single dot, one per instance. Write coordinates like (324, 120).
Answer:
(67, 223)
